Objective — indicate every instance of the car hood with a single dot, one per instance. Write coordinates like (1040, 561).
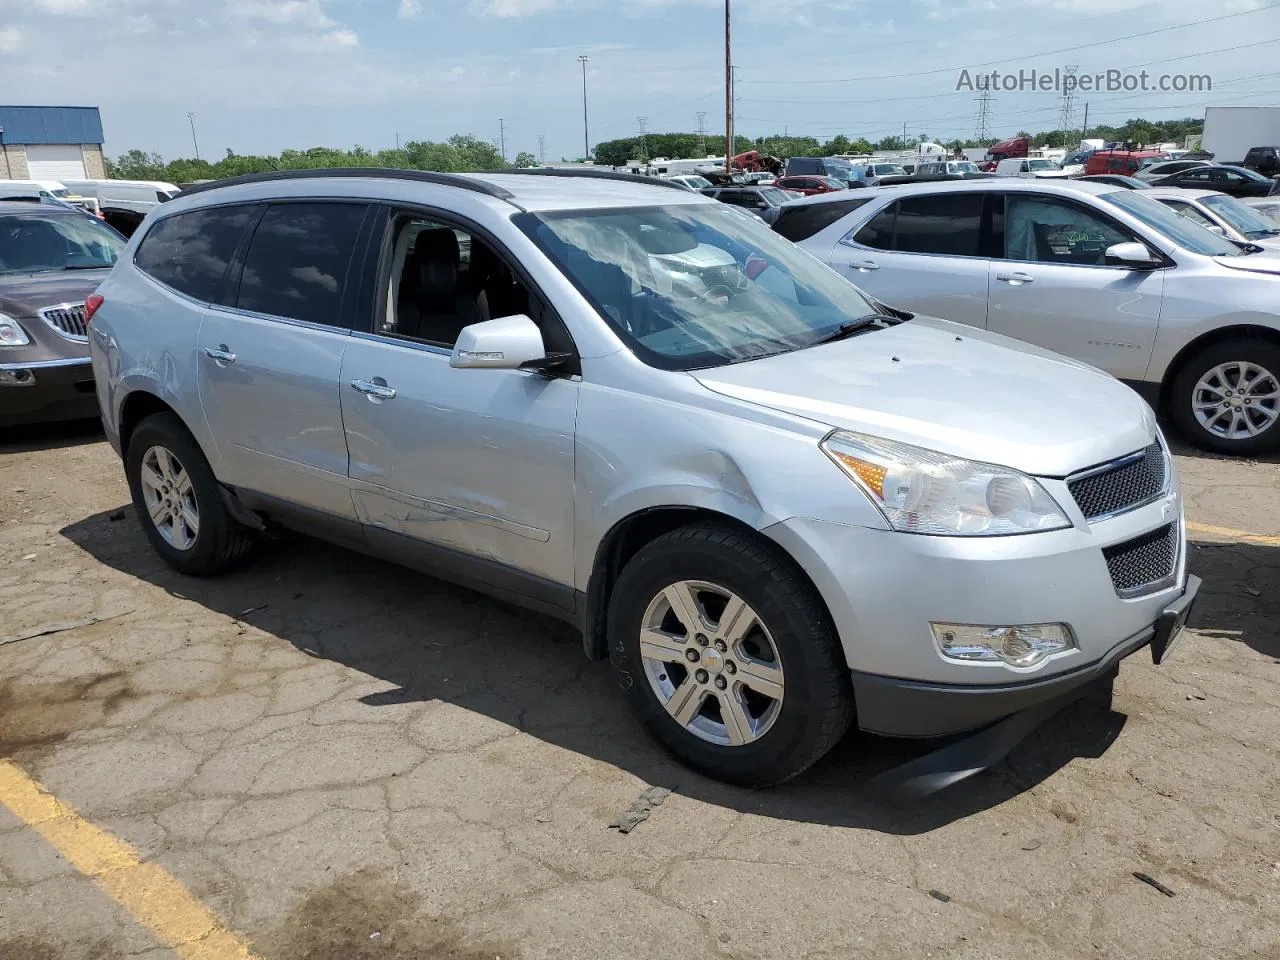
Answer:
(1049, 174)
(1268, 262)
(955, 389)
(26, 294)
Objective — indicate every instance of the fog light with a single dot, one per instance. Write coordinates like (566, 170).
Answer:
(17, 378)
(1023, 645)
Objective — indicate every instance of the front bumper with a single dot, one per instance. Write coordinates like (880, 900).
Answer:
(52, 390)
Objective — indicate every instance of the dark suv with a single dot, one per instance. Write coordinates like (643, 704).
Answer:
(1263, 159)
(51, 258)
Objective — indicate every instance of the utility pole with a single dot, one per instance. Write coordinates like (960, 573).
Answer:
(502, 139)
(702, 133)
(728, 91)
(904, 134)
(586, 141)
(1084, 131)
(397, 140)
(542, 148)
(644, 139)
(194, 142)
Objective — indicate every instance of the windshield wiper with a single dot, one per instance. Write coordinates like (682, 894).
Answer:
(852, 327)
(87, 266)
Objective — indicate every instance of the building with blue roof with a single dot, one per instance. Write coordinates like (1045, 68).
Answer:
(51, 143)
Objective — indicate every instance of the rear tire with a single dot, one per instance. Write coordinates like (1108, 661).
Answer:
(179, 501)
(762, 694)
(1212, 410)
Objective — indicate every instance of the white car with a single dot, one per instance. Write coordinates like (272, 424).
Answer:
(1105, 275)
(1167, 168)
(1269, 207)
(690, 180)
(1031, 169)
(1224, 215)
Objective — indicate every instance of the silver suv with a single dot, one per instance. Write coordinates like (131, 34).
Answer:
(767, 498)
(1099, 273)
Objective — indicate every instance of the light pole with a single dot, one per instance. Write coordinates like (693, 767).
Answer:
(194, 142)
(586, 141)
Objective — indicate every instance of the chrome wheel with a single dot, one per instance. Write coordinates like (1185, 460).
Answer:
(711, 663)
(169, 498)
(1236, 400)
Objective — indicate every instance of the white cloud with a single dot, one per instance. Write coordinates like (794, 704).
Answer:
(409, 9)
(306, 13)
(512, 9)
(10, 39)
(339, 39)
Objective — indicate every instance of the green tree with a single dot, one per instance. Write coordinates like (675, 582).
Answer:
(525, 161)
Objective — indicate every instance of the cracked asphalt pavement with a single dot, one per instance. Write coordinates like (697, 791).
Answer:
(343, 759)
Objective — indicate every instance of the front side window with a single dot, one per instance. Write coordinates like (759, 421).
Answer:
(1188, 211)
(296, 265)
(33, 244)
(1047, 230)
(878, 232)
(441, 279)
(691, 286)
(946, 224)
(190, 252)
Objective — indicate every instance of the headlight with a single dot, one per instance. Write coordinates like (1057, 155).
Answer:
(923, 491)
(11, 333)
(1020, 646)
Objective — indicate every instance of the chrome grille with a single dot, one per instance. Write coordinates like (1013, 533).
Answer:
(1122, 485)
(68, 320)
(1140, 564)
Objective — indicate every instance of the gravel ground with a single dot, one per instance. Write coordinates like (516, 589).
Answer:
(344, 760)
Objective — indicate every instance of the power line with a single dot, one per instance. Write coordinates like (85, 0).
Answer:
(1042, 53)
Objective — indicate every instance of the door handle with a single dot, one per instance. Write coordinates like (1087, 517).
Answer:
(376, 389)
(220, 354)
(1016, 278)
(864, 265)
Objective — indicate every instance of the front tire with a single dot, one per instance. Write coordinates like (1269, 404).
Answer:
(1227, 398)
(179, 502)
(728, 656)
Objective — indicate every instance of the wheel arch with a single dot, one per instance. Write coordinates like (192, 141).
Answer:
(1202, 342)
(136, 407)
(641, 527)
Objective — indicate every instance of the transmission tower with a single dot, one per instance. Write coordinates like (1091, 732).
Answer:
(542, 148)
(1067, 115)
(982, 128)
(644, 142)
(702, 133)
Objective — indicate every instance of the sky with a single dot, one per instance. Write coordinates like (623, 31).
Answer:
(267, 75)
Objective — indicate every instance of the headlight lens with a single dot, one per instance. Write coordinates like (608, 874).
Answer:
(923, 491)
(11, 333)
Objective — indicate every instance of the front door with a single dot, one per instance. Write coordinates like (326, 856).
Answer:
(923, 254)
(1054, 289)
(270, 358)
(459, 468)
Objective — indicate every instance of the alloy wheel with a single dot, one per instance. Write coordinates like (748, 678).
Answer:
(170, 498)
(711, 662)
(1236, 400)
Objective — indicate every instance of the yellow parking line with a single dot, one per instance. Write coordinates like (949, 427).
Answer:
(147, 892)
(1229, 533)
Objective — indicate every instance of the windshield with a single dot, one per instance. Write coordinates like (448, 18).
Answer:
(44, 244)
(1177, 228)
(1042, 165)
(689, 286)
(1241, 216)
(964, 166)
(1246, 172)
(838, 168)
(888, 170)
(697, 183)
(776, 196)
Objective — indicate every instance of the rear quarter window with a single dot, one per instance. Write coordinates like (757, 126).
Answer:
(190, 251)
(803, 221)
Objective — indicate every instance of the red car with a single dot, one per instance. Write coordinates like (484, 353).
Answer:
(811, 185)
(1124, 162)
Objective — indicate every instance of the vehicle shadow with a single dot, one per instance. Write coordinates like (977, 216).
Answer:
(432, 640)
(1240, 598)
(49, 436)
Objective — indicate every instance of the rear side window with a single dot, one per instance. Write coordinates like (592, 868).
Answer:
(945, 224)
(802, 222)
(296, 265)
(190, 252)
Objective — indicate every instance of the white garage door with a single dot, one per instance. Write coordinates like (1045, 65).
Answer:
(55, 162)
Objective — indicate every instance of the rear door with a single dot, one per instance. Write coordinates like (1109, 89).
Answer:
(1054, 289)
(270, 355)
(923, 253)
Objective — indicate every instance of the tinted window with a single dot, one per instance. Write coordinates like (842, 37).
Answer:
(947, 224)
(804, 220)
(1044, 229)
(879, 232)
(36, 244)
(296, 265)
(190, 252)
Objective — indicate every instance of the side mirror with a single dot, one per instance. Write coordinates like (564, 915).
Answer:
(507, 343)
(1133, 255)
